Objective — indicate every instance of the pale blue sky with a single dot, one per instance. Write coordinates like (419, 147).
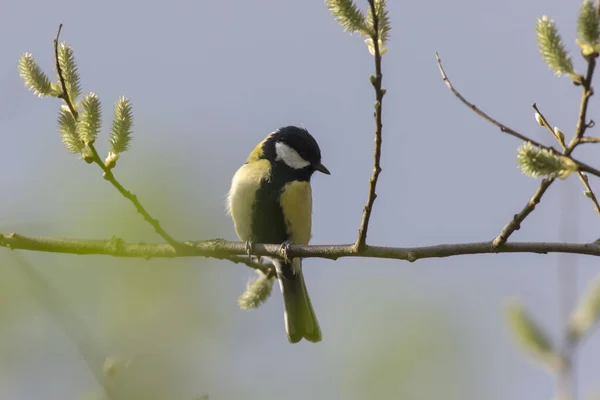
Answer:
(209, 80)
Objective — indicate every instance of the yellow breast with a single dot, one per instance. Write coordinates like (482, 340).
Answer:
(296, 203)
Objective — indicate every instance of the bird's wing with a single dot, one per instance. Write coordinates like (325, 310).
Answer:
(296, 203)
(242, 196)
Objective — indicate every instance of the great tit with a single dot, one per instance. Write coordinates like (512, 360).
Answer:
(270, 201)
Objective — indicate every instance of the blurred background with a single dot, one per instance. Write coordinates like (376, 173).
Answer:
(208, 80)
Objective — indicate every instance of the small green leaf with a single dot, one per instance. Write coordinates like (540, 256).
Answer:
(588, 27)
(587, 313)
(257, 292)
(527, 332)
(35, 79)
(67, 127)
(531, 338)
(551, 47)
(90, 115)
(68, 66)
(120, 135)
(536, 162)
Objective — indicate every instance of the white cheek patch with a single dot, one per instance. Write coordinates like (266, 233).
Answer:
(290, 156)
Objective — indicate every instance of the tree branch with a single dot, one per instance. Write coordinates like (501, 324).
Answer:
(589, 140)
(546, 124)
(582, 177)
(483, 115)
(361, 240)
(582, 167)
(587, 92)
(108, 175)
(234, 251)
(515, 223)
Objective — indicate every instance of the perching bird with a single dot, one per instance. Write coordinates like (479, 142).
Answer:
(270, 201)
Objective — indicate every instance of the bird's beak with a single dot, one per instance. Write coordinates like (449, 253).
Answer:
(321, 168)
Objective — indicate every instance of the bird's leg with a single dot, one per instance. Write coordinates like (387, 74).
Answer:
(283, 250)
(249, 246)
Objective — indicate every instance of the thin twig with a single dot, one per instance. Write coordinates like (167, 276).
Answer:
(266, 268)
(108, 175)
(65, 94)
(222, 249)
(582, 177)
(361, 240)
(580, 165)
(589, 139)
(482, 114)
(587, 92)
(546, 124)
(515, 223)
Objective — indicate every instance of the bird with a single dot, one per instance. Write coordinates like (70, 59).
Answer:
(270, 201)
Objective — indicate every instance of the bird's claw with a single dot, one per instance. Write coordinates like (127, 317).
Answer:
(283, 250)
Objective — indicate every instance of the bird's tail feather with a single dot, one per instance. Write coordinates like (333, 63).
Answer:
(300, 319)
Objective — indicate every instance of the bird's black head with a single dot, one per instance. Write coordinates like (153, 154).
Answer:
(294, 148)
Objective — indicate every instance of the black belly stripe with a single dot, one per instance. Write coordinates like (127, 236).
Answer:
(268, 222)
